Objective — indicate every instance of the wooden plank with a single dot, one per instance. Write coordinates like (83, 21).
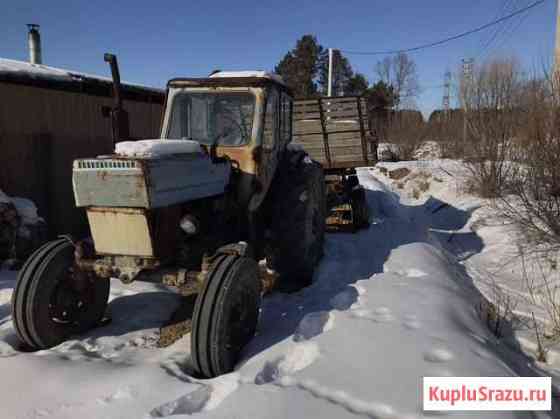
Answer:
(325, 135)
(362, 132)
(333, 132)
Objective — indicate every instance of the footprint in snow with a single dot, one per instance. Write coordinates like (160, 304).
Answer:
(438, 355)
(411, 322)
(361, 290)
(313, 324)
(207, 397)
(411, 273)
(186, 405)
(379, 315)
(299, 356)
(344, 300)
(383, 315)
(122, 393)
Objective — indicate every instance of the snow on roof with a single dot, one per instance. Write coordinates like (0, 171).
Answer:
(40, 71)
(250, 73)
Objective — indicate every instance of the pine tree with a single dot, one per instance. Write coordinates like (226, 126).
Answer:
(381, 96)
(357, 85)
(299, 67)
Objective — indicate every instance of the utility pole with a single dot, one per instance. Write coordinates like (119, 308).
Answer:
(447, 93)
(329, 87)
(556, 69)
(468, 65)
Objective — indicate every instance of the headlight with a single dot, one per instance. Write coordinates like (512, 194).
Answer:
(189, 225)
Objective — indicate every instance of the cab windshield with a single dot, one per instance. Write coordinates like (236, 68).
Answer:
(212, 118)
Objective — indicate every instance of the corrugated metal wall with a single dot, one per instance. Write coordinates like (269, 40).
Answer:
(43, 130)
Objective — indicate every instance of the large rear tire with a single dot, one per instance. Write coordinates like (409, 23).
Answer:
(48, 304)
(299, 211)
(225, 315)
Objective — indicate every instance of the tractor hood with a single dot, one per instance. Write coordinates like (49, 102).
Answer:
(149, 174)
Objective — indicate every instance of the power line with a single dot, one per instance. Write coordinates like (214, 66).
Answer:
(507, 36)
(500, 29)
(452, 38)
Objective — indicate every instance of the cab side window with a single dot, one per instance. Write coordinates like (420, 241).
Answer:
(271, 121)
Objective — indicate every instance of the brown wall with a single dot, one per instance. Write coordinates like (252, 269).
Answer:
(43, 130)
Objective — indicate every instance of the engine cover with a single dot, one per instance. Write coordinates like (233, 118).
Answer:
(153, 182)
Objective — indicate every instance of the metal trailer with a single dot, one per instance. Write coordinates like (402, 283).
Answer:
(335, 132)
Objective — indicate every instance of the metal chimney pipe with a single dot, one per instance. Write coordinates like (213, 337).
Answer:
(34, 38)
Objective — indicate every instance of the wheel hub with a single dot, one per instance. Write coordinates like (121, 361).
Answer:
(70, 297)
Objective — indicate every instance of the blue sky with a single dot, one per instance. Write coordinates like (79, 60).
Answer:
(156, 41)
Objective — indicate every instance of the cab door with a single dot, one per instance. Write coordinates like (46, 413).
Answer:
(269, 147)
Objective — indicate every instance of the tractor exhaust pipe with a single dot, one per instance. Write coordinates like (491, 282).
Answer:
(119, 117)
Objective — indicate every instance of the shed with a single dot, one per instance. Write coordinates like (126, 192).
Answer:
(48, 118)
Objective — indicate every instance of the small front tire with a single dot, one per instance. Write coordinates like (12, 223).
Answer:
(49, 304)
(225, 315)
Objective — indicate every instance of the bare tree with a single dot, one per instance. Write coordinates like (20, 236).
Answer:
(492, 101)
(400, 72)
(407, 130)
(535, 180)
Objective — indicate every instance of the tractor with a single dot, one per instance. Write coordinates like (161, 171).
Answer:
(221, 207)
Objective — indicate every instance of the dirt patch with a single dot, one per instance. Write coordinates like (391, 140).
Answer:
(398, 174)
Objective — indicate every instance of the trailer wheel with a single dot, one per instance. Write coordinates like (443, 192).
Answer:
(298, 220)
(225, 315)
(49, 304)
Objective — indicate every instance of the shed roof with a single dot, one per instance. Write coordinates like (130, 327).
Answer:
(39, 75)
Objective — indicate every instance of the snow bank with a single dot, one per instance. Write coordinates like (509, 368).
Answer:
(156, 148)
(486, 244)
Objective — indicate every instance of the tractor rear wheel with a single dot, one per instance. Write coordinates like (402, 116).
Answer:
(49, 303)
(225, 315)
(298, 219)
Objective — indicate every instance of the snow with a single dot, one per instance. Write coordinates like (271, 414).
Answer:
(250, 73)
(428, 150)
(4, 198)
(156, 148)
(25, 208)
(389, 305)
(41, 71)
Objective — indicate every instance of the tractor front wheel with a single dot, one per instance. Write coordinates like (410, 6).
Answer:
(52, 301)
(225, 315)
